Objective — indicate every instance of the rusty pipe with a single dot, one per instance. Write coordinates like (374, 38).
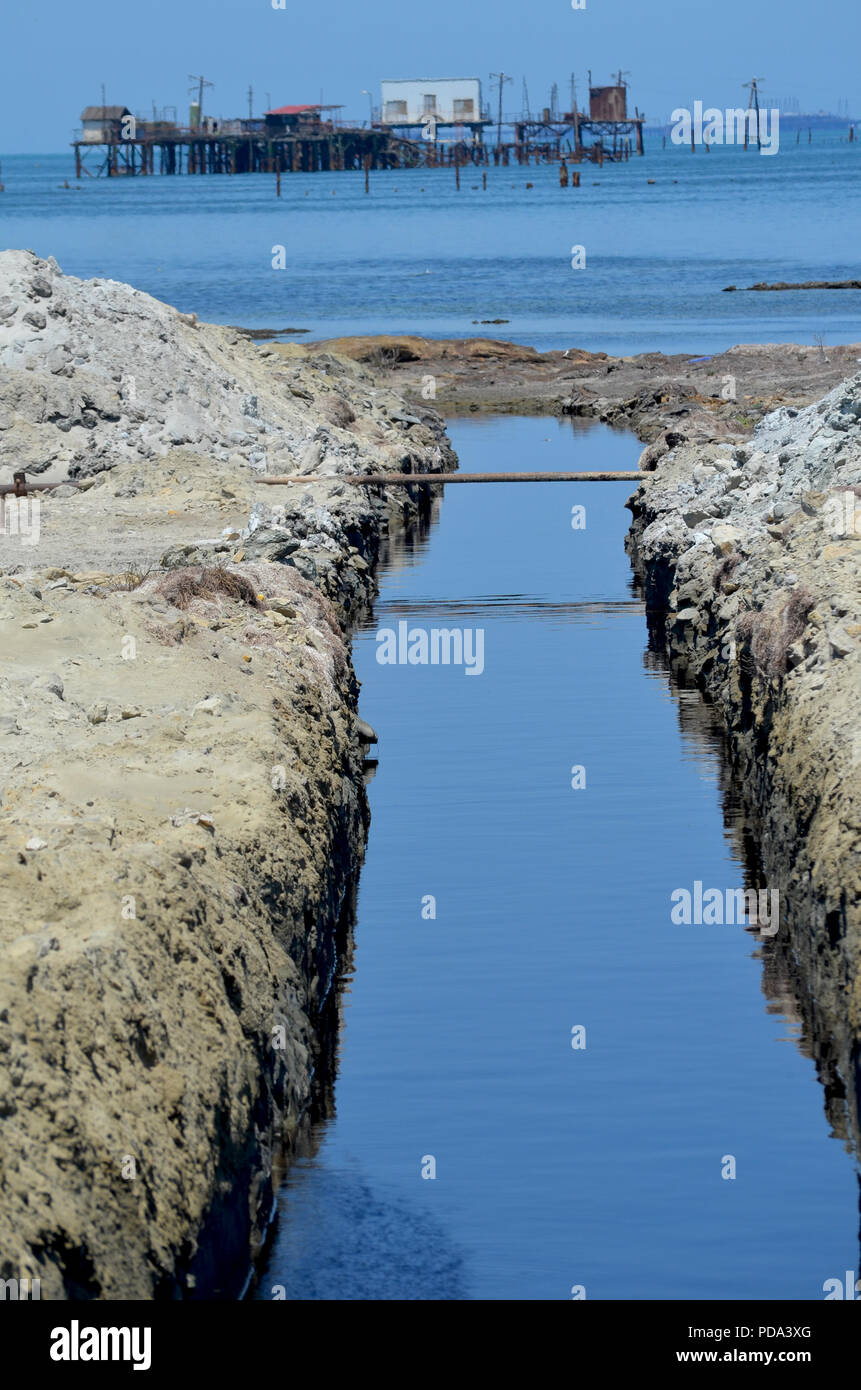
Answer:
(407, 479)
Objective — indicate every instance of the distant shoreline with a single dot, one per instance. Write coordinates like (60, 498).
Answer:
(691, 394)
(798, 285)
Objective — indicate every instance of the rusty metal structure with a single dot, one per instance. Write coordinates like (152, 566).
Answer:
(606, 132)
(328, 146)
(608, 104)
(436, 479)
(22, 487)
(310, 139)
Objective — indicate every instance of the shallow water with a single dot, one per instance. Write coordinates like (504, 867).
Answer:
(555, 1167)
(417, 256)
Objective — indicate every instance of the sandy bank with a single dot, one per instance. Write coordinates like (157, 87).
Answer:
(183, 809)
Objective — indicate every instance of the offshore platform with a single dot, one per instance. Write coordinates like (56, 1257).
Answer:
(605, 132)
(421, 123)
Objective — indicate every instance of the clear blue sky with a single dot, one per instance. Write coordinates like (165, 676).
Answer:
(56, 55)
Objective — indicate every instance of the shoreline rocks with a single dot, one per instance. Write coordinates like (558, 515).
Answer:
(798, 285)
(700, 397)
(750, 559)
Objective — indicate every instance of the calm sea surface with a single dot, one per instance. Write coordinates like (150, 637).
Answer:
(555, 1167)
(417, 256)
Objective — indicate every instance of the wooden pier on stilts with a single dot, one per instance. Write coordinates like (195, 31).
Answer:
(196, 152)
(304, 139)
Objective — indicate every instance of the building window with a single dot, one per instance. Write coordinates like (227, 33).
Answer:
(464, 108)
(429, 103)
(395, 109)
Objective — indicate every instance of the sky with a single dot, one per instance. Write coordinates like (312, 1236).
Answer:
(57, 55)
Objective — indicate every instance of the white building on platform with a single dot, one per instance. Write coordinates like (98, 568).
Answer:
(451, 100)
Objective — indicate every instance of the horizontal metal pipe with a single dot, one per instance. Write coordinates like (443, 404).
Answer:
(7, 489)
(384, 479)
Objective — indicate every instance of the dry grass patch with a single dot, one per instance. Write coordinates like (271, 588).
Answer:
(725, 569)
(769, 634)
(129, 580)
(182, 586)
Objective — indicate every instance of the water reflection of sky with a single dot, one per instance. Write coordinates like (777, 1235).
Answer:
(556, 1167)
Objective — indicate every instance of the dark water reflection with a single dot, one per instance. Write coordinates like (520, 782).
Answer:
(557, 1167)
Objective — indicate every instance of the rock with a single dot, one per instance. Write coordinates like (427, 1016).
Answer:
(178, 556)
(838, 550)
(339, 412)
(181, 426)
(34, 843)
(365, 732)
(272, 546)
(212, 705)
(41, 286)
(130, 712)
(651, 456)
(35, 319)
(97, 713)
(725, 537)
(50, 682)
(278, 605)
(311, 458)
(840, 641)
(58, 359)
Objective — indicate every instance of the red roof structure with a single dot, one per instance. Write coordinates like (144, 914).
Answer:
(298, 110)
(291, 110)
